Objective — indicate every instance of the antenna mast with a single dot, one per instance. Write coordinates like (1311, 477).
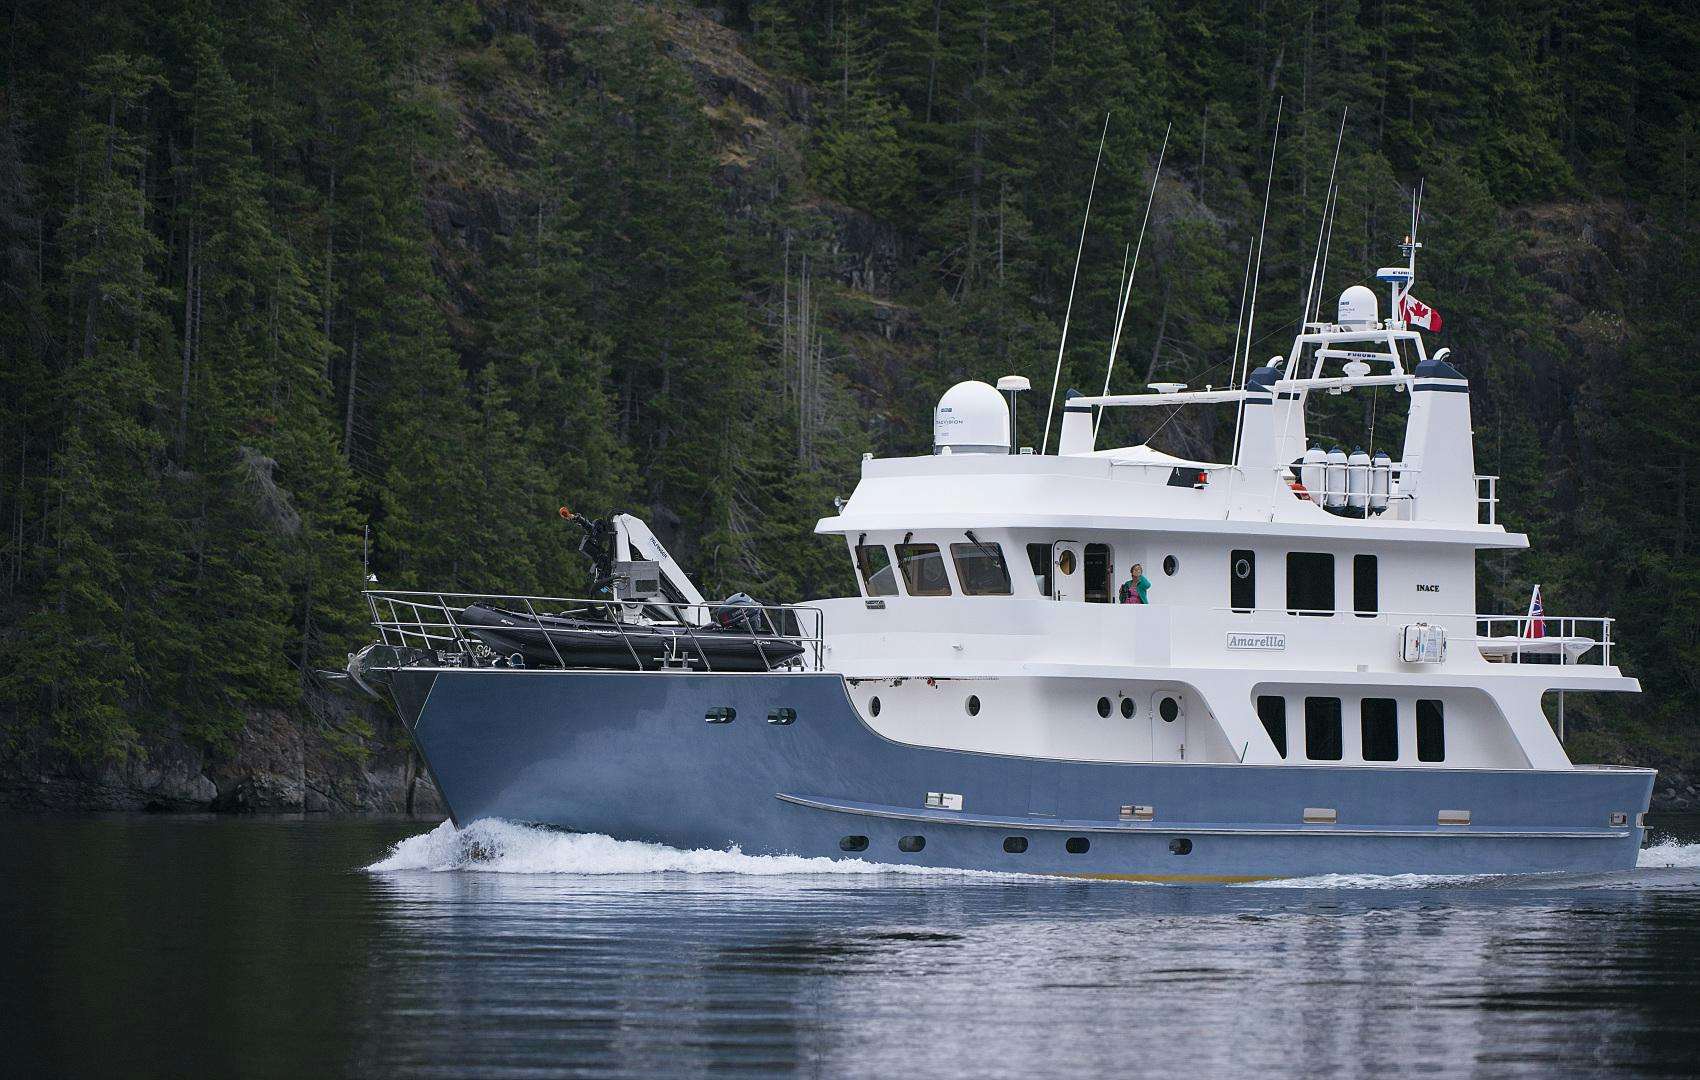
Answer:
(1251, 316)
(1127, 292)
(1321, 226)
(1056, 375)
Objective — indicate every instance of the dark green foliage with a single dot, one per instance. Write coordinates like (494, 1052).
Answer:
(277, 273)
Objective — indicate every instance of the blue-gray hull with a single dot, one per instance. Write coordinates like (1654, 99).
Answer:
(631, 755)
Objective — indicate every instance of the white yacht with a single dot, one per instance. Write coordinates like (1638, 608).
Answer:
(1306, 688)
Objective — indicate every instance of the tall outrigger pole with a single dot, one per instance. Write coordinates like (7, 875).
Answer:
(1056, 376)
(1127, 288)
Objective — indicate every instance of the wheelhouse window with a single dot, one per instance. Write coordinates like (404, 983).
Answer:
(1272, 710)
(1039, 561)
(1322, 729)
(1310, 583)
(1100, 567)
(874, 564)
(923, 570)
(980, 569)
(1242, 580)
(1380, 720)
(1366, 586)
(1431, 730)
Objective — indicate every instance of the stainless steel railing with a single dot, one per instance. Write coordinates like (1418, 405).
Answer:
(430, 621)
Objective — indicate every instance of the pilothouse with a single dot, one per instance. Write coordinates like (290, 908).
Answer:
(1106, 661)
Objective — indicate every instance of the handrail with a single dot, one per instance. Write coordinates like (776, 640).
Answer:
(424, 620)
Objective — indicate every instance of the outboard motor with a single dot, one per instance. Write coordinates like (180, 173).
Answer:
(1380, 481)
(743, 613)
(1334, 481)
(1357, 482)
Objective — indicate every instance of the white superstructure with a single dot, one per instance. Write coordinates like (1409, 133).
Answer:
(1307, 604)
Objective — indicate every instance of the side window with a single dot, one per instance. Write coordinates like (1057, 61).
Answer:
(1366, 585)
(1380, 719)
(923, 570)
(1098, 570)
(1242, 580)
(1272, 710)
(1322, 729)
(980, 569)
(1310, 583)
(1039, 560)
(875, 566)
(1431, 730)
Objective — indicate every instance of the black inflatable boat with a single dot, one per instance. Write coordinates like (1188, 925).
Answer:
(551, 640)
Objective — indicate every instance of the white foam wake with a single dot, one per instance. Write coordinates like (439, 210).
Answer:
(1670, 853)
(502, 847)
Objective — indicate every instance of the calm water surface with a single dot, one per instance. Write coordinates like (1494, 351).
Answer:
(218, 947)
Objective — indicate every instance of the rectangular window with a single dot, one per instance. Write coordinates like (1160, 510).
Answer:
(1098, 571)
(1272, 710)
(1366, 586)
(923, 570)
(875, 566)
(1380, 718)
(980, 569)
(1310, 583)
(1322, 729)
(1431, 730)
(1039, 560)
(1242, 580)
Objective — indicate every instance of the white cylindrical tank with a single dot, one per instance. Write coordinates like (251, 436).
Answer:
(1334, 480)
(1380, 481)
(1357, 481)
(971, 418)
(1358, 308)
(1310, 472)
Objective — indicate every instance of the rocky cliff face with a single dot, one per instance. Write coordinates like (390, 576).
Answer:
(279, 764)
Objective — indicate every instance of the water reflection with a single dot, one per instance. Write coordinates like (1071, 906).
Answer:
(167, 947)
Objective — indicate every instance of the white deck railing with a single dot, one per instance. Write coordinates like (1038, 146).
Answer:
(429, 621)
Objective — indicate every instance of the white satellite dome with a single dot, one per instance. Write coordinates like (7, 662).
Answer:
(971, 418)
(1358, 308)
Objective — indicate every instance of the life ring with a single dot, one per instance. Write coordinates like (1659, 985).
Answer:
(1299, 490)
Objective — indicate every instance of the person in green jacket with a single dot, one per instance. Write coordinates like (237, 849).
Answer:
(1137, 588)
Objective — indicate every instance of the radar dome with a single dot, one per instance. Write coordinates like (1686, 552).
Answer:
(1357, 308)
(971, 418)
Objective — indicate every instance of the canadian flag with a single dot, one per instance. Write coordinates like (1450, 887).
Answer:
(1416, 313)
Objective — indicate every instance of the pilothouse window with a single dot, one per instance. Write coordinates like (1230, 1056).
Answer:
(923, 570)
(980, 568)
(875, 566)
(1039, 561)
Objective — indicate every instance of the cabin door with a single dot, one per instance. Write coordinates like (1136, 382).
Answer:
(1168, 725)
(1068, 571)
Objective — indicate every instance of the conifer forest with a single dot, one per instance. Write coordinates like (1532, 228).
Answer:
(305, 290)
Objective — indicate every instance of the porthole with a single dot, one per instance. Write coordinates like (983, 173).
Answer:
(1170, 565)
(1169, 709)
(1180, 845)
(874, 705)
(973, 705)
(1065, 562)
(1015, 845)
(853, 843)
(1078, 845)
(911, 844)
(1242, 568)
(721, 714)
(1104, 706)
(1127, 708)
